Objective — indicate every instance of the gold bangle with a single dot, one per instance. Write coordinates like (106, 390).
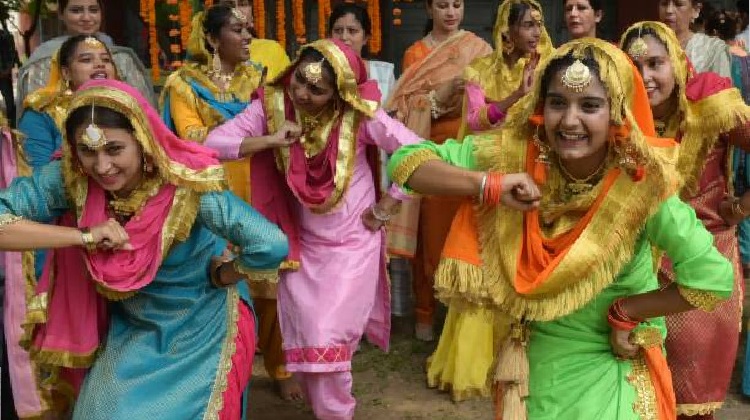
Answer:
(88, 240)
(737, 207)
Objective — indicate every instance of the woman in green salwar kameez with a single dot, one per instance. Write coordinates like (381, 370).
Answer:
(586, 188)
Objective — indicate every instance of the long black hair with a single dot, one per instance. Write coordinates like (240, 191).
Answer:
(216, 17)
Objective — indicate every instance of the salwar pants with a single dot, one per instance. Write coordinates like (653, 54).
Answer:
(329, 394)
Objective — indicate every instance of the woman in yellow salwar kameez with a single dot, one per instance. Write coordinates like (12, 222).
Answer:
(571, 279)
(494, 83)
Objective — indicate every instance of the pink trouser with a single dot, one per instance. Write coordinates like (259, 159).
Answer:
(329, 394)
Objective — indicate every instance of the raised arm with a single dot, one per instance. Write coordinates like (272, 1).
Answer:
(449, 169)
(247, 134)
(260, 244)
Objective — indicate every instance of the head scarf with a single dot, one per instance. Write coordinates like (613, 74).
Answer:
(69, 335)
(708, 104)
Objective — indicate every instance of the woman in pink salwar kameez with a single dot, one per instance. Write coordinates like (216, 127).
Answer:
(310, 133)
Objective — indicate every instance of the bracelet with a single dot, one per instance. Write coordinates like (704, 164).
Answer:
(435, 110)
(482, 185)
(618, 319)
(380, 217)
(737, 209)
(493, 189)
(88, 240)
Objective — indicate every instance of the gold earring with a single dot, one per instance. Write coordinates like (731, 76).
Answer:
(544, 149)
(147, 167)
(508, 47)
(68, 91)
(216, 61)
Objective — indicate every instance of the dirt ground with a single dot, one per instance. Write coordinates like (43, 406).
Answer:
(392, 387)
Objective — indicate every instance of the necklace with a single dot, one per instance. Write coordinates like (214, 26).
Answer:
(127, 206)
(578, 186)
(316, 129)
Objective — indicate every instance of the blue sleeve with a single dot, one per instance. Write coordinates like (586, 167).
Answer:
(261, 246)
(42, 137)
(40, 197)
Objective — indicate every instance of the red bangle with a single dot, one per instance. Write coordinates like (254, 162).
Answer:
(618, 319)
(493, 189)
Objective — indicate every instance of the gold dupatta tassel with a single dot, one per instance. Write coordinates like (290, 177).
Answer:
(512, 374)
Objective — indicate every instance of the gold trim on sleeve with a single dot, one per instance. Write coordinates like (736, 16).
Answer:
(8, 219)
(700, 299)
(409, 164)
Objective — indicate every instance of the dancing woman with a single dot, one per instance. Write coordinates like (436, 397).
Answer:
(308, 133)
(129, 296)
(571, 278)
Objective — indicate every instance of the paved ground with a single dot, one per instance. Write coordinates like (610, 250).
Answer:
(392, 387)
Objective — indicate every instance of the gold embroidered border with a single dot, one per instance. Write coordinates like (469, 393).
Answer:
(8, 219)
(254, 274)
(700, 299)
(704, 122)
(698, 409)
(648, 337)
(228, 348)
(404, 170)
(645, 404)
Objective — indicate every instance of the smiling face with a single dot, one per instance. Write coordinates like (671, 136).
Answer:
(658, 75)
(350, 31)
(90, 60)
(581, 19)
(576, 124)
(678, 14)
(117, 166)
(82, 17)
(311, 96)
(233, 41)
(526, 33)
(447, 15)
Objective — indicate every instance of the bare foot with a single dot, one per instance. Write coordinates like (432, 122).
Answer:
(289, 389)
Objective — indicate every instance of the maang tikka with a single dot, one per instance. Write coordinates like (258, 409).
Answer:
(93, 137)
(313, 72)
(577, 76)
(638, 48)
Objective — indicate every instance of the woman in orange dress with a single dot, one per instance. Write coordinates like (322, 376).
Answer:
(428, 99)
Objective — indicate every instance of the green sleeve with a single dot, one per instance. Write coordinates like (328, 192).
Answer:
(697, 264)
(408, 158)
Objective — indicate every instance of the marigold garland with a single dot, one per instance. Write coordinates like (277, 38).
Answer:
(259, 17)
(324, 10)
(186, 18)
(280, 23)
(376, 40)
(298, 12)
(148, 13)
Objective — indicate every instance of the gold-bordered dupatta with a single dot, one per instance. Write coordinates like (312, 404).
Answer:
(708, 106)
